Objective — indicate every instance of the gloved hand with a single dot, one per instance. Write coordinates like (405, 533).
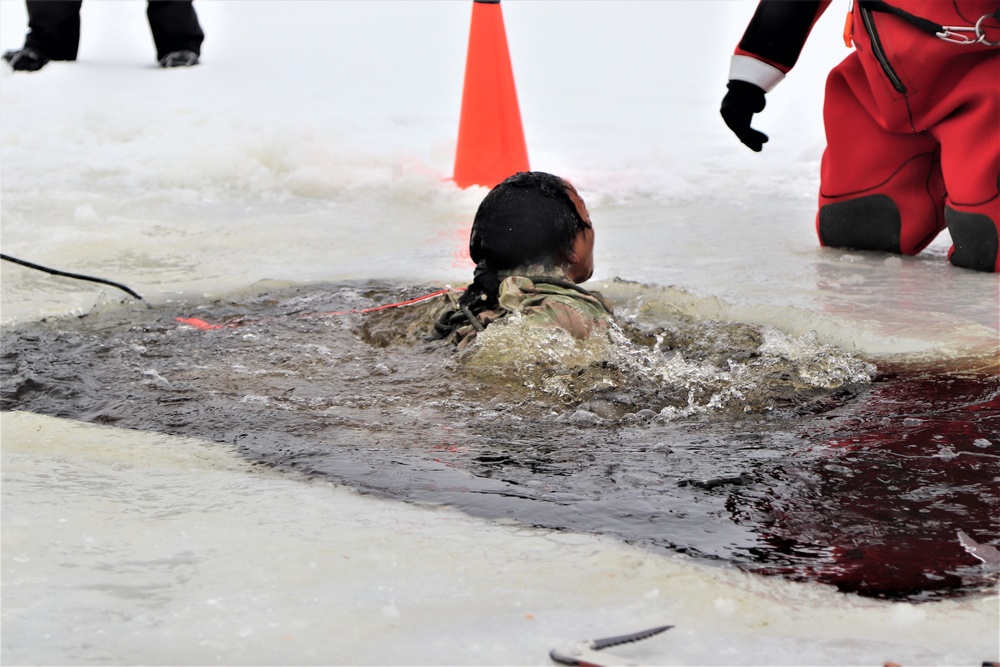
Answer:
(743, 100)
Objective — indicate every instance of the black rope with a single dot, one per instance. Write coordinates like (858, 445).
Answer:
(926, 25)
(472, 319)
(77, 276)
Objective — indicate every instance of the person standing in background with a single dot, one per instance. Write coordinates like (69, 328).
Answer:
(912, 120)
(54, 33)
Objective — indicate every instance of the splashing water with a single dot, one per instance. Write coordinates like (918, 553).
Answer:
(688, 369)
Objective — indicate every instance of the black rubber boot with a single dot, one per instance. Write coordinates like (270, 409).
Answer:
(865, 223)
(974, 237)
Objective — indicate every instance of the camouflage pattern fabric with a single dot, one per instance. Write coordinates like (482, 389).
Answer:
(578, 312)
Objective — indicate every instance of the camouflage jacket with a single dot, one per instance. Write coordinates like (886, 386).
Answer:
(555, 304)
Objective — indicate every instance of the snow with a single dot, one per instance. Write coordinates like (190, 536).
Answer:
(315, 143)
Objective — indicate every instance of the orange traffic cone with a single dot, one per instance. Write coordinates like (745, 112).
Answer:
(490, 138)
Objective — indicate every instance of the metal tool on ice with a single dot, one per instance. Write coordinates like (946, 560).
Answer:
(585, 653)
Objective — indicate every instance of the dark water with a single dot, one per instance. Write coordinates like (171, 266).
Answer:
(723, 441)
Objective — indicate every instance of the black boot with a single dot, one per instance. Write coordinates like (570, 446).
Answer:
(871, 222)
(975, 240)
(25, 60)
(179, 59)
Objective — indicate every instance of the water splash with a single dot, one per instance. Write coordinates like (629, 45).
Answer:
(689, 368)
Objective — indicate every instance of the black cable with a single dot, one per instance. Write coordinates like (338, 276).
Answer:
(928, 26)
(57, 272)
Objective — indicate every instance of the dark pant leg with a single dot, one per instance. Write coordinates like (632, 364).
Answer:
(53, 28)
(175, 26)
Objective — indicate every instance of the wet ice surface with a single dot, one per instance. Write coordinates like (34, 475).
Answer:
(724, 441)
(124, 547)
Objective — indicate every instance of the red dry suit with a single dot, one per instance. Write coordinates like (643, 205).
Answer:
(912, 124)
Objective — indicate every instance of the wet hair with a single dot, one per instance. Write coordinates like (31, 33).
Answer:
(527, 219)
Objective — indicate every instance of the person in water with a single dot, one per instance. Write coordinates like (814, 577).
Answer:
(532, 242)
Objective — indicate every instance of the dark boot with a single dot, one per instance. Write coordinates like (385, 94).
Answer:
(179, 59)
(175, 28)
(25, 60)
(974, 237)
(865, 223)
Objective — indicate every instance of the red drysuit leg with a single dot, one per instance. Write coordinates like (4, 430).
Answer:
(879, 189)
(970, 159)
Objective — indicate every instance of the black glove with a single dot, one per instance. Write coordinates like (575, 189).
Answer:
(738, 107)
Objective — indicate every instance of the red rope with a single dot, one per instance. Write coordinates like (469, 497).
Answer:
(373, 309)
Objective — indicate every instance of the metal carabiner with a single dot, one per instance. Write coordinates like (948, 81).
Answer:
(955, 34)
(981, 32)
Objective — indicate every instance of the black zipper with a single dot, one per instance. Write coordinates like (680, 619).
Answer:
(866, 17)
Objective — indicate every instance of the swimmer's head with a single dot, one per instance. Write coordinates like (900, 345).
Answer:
(533, 218)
